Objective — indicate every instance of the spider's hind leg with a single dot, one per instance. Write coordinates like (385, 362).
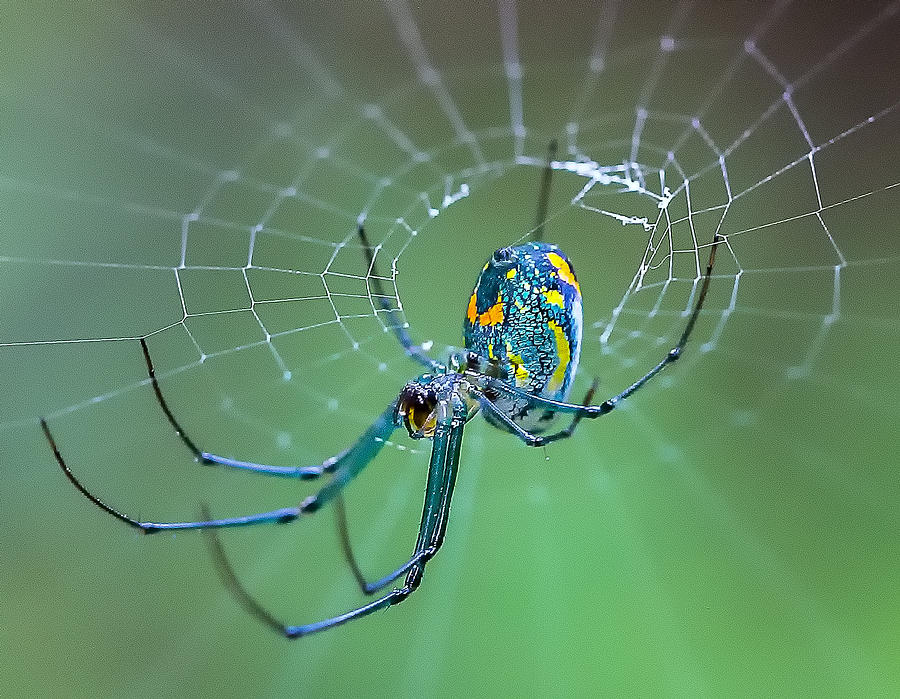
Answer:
(607, 406)
(534, 440)
(570, 430)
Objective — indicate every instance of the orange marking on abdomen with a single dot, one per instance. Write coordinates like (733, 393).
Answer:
(472, 311)
(492, 316)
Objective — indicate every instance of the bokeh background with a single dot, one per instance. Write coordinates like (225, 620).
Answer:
(733, 530)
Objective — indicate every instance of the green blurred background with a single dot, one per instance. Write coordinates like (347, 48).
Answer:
(733, 530)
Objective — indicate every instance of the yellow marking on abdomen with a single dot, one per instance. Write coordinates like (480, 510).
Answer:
(555, 298)
(565, 272)
(519, 371)
(563, 354)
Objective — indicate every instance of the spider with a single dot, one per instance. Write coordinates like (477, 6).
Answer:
(523, 332)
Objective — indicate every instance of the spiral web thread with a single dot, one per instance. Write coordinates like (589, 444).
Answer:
(678, 228)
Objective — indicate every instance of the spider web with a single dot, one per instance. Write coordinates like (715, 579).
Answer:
(215, 213)
(268, 252)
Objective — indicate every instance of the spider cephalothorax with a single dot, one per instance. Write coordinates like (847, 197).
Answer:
(421, 402)
(416, 406)
(523, 340)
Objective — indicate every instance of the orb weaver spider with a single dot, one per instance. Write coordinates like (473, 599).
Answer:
(522, 329)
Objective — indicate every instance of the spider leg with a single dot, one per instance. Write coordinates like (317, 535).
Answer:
(570, 430)
(544, 192)
(343, 468)
(593, 411)
(367, 588)
(556, 406)
(533, 440)
(442, 472)
(226, 572)
(417, 352)
(340, 514)
(301, 472)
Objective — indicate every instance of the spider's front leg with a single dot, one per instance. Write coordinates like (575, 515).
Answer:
(342, 468)
(205, 457)
(450, 420)
(450, 415)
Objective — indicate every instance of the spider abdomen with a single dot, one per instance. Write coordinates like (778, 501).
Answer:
(524, 319)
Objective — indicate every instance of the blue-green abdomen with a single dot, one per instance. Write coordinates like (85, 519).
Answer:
(525, 315)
